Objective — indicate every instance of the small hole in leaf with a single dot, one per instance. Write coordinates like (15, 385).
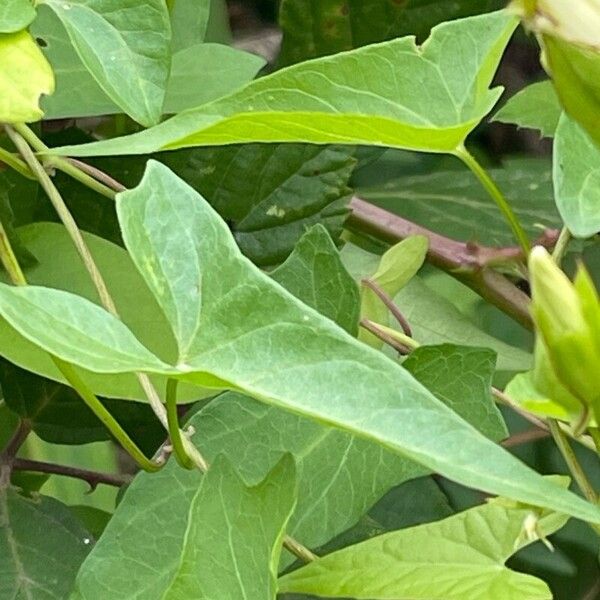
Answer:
(42, 43)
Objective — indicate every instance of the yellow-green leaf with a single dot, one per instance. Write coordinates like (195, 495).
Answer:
(25, 75)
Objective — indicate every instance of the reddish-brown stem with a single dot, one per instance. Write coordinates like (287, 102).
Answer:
(92, 478)
(525, 437)
(470, 263)
(390, 305)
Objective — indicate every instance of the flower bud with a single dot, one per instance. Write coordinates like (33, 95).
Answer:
(567, 319)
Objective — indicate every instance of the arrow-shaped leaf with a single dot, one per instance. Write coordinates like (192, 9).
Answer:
(397, 94)
(460, 557)
(235, 323)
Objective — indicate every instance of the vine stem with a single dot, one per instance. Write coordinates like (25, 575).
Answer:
(8, 259)
(23, 144)
(89, 176)
(14, 162)
(93, 478)
(574, 467)
(173, 421)
(58, 162)
(496, 194)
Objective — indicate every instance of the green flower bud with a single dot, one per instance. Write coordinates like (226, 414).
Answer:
(567, 319)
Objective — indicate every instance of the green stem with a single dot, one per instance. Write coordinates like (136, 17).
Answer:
(65, 216)
(404, 339)
(14, 162)
(104, 415)
(496, 194)
(9, 260)
(60, 163)
(574, 467)
(173, 422)
(561, 245)
(7, 256)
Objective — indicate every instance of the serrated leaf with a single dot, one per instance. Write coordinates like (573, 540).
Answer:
(259, 339)
(315, 274)
(452, 203)
(425, 98)
(90, 335)
(312, 29)
(397, 267)
(230, 549)
(577, 178)
(534, 107)
(125, 46)
(24, 77)
(59, 266)
(15, 15)
(42, 547)
(460, 557)
(462, 378)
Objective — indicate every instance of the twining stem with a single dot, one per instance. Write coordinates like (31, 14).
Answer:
(14, 162)
(74, 168)
(173, 422)
(8, 259)
(58, 162)
(104, 415)
(23, 145)
(65, 216)
(496, 194)
(574, 467)
(390, 305)
(93, 478)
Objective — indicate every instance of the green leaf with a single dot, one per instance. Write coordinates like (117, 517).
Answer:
(312, 29)
(202, 73)
(452, 203)
(189, 20)
(125, 45)
(534, 107)
(208, 70)
(261, 340)
(434, 319)
(577, 178)
(15, 15)
(24, 77)
(397, 267)
(59, 266)
(330, 100)
(340, 475)
(42, 546)
(228, 544)
(460, 557)
(315, 274)
(270, 194)
(461, 378)
(75, 329)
